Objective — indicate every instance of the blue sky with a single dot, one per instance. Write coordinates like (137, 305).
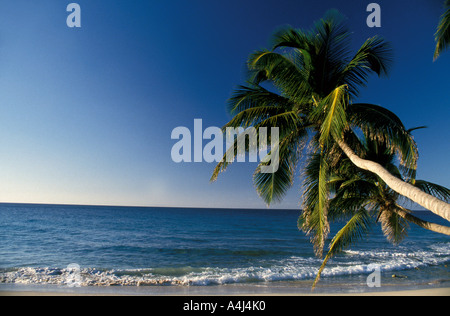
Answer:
(86, 114)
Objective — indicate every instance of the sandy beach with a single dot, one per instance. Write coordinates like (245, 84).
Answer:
(427, 292)
(231, 290)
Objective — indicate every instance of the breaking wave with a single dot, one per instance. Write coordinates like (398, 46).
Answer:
(352, 262)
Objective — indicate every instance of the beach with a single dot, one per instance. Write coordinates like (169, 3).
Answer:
(299, 288)
(220, 292)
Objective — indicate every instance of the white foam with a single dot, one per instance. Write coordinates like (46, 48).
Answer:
(290, 269)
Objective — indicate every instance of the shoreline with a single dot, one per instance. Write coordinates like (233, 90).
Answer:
(425, 292)
(222, 290)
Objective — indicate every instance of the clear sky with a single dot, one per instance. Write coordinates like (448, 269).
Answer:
(86, 114)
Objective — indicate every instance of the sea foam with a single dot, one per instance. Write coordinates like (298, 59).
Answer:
(352, 262)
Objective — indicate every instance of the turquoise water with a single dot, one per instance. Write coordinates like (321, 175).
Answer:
(170, 246)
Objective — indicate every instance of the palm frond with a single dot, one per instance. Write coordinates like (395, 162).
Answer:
(286, 121)
(224, 163)
(287, 36)
(244, 98)
(433, 189)
(354, 230)
(272, 187)
(442, 35)
(394, 227)
(354, 191)
(282, 73)
(333, 108)
(314, 220)
(410, 130)
(254, 115)
(375, 55)
(239, 146)
(382, 126)
(332, 38)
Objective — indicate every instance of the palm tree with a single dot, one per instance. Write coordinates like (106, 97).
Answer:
(443, 31)
(305, 86)
(362, 197)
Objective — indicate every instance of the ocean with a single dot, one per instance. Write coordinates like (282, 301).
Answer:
(96, 246)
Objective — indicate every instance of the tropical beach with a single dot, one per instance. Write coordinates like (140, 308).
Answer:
(224, 149)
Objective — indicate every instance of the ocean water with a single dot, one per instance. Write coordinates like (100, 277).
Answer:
(92, 246)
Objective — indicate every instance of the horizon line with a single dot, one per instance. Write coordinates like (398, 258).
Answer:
(173, 207)
(142, 206)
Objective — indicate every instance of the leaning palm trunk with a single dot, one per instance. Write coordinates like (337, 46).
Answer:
(402, 212)
(425, 200)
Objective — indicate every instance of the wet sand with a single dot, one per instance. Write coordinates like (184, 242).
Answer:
(213, 291)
